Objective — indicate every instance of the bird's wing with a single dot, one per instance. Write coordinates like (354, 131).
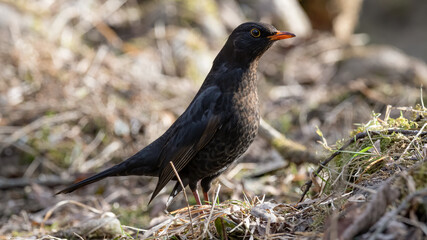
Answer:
(194, 129)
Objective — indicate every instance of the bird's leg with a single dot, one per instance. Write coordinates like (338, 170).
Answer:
(177, 189)
(193, 187)
(196, 196)
(206, 196)
(206, 185)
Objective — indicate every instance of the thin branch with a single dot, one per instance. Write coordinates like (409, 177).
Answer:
(61, 203)
(212, 209)
(78, 162)
(185, 194)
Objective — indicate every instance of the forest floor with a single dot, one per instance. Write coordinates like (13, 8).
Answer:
(84, 86)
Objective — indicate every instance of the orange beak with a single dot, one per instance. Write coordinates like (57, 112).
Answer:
(281, 35)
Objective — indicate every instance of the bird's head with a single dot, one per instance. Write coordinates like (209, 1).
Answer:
(250, 40)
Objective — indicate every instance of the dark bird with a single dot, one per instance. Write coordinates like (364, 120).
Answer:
(217, 127)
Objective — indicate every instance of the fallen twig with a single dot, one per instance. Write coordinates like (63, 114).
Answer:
(40, 122)
(62, 203)
(290, 150)
(185, 194)
(102, 157)
(50, 181)
(76, 163)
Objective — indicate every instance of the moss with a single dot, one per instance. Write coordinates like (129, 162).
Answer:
(402, 123)
(386, 142)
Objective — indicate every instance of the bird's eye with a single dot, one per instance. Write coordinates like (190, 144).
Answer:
(255, 32)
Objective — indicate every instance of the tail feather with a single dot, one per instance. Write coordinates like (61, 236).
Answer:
(113, 171)
(143, 163)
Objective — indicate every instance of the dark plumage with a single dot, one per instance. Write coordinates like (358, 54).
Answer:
(217, 127)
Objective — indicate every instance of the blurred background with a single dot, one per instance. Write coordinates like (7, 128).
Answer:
(86, 84)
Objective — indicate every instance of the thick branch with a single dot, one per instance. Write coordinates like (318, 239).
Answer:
(290, 150)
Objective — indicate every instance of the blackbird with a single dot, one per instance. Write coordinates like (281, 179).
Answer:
(217, 127)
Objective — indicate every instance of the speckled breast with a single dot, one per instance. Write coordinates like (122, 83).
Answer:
(232, 139)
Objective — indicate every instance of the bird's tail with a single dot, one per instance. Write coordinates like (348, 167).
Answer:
(113, 171)
(143, 163)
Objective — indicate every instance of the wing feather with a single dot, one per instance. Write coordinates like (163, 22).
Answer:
(193, 131)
